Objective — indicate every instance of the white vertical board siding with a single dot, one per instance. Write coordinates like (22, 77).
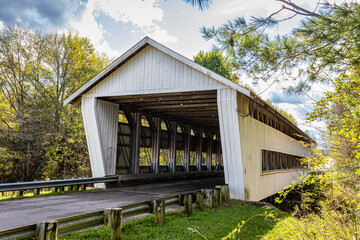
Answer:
(230, 142)
(152, 71)
(101, 126)
(255, 136)
(107, 115)
(92, 136)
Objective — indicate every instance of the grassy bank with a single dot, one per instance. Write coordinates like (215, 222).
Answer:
(213, 223)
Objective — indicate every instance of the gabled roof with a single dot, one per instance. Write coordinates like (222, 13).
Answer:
(146, 41)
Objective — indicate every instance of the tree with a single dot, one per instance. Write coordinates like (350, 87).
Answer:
(216, 62)
(202, 4)
(323, 46)
(340, 109)
(39, 137)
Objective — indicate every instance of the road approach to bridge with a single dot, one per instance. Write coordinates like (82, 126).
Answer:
(23, 212)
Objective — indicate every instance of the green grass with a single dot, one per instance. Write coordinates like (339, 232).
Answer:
(213, 223)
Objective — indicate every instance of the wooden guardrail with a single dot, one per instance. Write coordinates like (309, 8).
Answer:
(112, 217)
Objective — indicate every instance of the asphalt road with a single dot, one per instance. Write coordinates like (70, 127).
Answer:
(23, 212)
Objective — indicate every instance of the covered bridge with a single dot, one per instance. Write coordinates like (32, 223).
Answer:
(154, 111)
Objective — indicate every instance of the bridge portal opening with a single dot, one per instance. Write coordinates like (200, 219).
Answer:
(168, 133)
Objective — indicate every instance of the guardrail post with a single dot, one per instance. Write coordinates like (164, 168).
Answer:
(36, 191)
(112, 219)
(46, 230)
(224, 189)
(208, 196)
(200, 201)
(188, 204)
(181, 199)
(223, 193)
(159, 211)
(216, 197)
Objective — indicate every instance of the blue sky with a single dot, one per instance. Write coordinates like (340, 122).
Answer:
(114, 26)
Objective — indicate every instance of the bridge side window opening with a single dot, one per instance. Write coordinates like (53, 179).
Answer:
(272, 121)
(272, 160)
(145, 143)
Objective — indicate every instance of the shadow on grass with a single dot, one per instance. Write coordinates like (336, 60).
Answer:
(214, 223)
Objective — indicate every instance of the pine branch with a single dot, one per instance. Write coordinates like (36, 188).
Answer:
(300, 10)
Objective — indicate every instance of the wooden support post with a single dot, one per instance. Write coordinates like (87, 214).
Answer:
(208, 158)
(186, 152)
(46, 230)
(227, 194)
(155, 144)
(61, 189)
(181, 199)
(200, 201)
(188, 204)
(36, 191)
(172, 127)
(221, 195)
(217, 152)
(112, 219)
(159, 211)
(224, 193)
(135, 142)
(198, 150)
(216, 196)
(208, 197)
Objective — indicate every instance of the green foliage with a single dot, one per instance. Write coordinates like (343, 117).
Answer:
(323, 44)
(216, 62)
(41, 138)
(202, 4)
(285, 114)
(341, 112)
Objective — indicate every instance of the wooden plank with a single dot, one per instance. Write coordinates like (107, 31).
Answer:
(179, 106)
(157, 100)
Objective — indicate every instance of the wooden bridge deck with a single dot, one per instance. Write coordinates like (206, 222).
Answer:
(22, 212)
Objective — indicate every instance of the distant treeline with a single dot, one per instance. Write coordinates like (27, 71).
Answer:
(39, 136)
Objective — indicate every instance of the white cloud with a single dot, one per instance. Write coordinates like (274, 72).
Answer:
(160, 34)
(145, 16)
(140, 13)
(88, 27)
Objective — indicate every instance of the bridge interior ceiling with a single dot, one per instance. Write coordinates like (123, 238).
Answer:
(195, 108)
